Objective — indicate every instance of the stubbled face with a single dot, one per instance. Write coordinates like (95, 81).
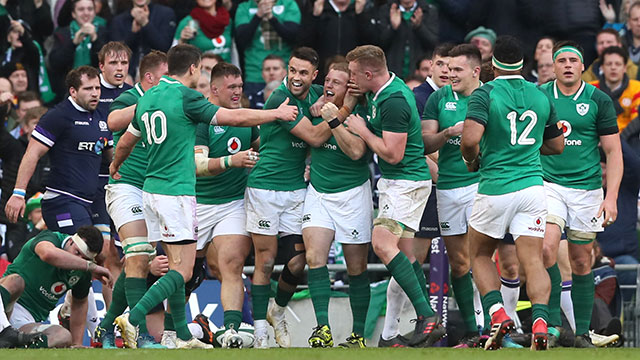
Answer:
(604, 41)
(273, 70)
(88, 93)
(358, 76)
(84, 12)
(335, 86)
(440, 70)
(115, 68)
(228, 90)
(568, 68)
(300, 75)
(613, 67)
(544, 45)
(463, 76)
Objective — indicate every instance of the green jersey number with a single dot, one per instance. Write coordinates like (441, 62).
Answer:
(523, 139)
(150, 125)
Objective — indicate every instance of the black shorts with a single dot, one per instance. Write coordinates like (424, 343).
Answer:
(429, 225)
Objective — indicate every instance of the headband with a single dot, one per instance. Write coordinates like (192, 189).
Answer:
(506, 67)
(82, 246)
(570, 49)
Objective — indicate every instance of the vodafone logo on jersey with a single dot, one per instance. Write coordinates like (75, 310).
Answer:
(58, 288)
(233, 145)
(566, 127)
(219, 42)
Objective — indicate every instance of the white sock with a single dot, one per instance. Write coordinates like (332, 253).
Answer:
(510, 290)
(92, 312)
(396, 298)
(477, 305)
(260, 327)
(567, 305)
(195, 330)
(278, 310)
(4, 322)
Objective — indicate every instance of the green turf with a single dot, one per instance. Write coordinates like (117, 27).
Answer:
(322, 354)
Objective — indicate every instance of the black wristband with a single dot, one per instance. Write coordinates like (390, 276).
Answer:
(334, 123)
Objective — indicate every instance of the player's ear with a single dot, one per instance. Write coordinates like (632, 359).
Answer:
(315, 74)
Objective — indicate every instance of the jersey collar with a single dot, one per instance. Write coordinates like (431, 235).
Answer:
(138, 88)
(432, 84)
(75, 105)
(509, 77)
(393, 76)
(168, 80)
(104, 83)
(575, 97)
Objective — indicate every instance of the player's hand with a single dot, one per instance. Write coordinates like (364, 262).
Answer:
(159, 265)
(104, 275)
(318, 6)
(353, 91)
(329, 112)
(14, 208)
(356, 124)
(395, 16)
(113, 171)
(610, 210)
(416, 18)
(247, 159)
(287, 112)
(607, 11)
(317, 106)
(455, 130)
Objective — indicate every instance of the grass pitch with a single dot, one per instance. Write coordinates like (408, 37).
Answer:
(322, 354)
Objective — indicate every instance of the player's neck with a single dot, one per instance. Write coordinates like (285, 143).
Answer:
(467, 92)
(567, 90)
(379, 81)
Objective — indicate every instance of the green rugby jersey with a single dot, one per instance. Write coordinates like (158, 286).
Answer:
(282, 155)
(448, 108)
(133, 168)
(166, 119)
(45, 284)
(332, 170)
(220, 45)
(393, 108)
(584, 116)
(223, 141)
(515, 114)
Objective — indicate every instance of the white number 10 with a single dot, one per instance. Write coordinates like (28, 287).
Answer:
(150, 125)
(523, 139)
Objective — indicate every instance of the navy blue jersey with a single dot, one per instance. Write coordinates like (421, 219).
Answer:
(108, 93)
(75, 138)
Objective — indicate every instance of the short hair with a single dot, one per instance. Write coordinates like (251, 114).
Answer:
(74, 77)
(92, 236)
(486, 72)
(210, 55)
(508, 49)
(332, 60)
(615, 50)
(307, 54)
(339, 66)
(413, 77)
(423, 58)
(274, 57)
(35, 113)
(610, 31)
(369, 56)
(470, 51)
(560, 44)
(28, 96)
(442, 50)
(181, 57)
(223, 69)
(635, 4)
(113, 47)
(151, 61)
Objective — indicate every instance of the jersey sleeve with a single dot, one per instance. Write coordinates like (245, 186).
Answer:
(255, 133)
(81, 289)
(478, 108)
(125, 100)
(134, 126)
(202, 134)
(395, 115)
(50, 126)
(197, 108)
(44, 236)
(432, 108)
(606, 120)
(276, 98)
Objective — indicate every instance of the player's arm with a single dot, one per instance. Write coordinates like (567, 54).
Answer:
(206, 166)
(314, 135)
(119, 119)
(16, 203)
(470, 144)
(434, 140)
(390, 147)
(123, 150)
(62, 259)
(251, 117)
(353, 146)
(78, 319)
(553, 145)
(614, 170)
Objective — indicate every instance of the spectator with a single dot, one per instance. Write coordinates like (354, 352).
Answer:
(545, 68)
(208, 28)
(633, 34)
(408, 29)
(203, 86)
(543, 46)
(484, 39)
(17, 74)
(413, 81)
(614, 82)
(33, 215)
(26, 100)
(619, 240)
(423, 67)
(273, 70)
(145, 27)
(103, 10)
(604, 39)
(209, 60)
(615, 19)
(77, 44)
(36, 13)
(11, 153)
(607, 305)
(336, 27)
(264, 27)
(452, 18)
(439, 76)
(19, 48)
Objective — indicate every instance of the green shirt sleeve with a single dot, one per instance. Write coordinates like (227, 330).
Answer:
(45, 236)
(255, 133)
(202, 134)
(606, 121)
(276, 98)
(432, 109)
(196, 107)
(81, 289)
(242, 13)
(135, 122)
(478, 108)
(395, 115)
(125, 100)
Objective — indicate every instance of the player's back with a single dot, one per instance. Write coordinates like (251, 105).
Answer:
(515, 113)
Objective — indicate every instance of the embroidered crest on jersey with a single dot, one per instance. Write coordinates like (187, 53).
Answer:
(566, 127)
(373, 112)
(218, 129)
(582, 109)
(450, 106)
(74, 280)
(233, 145)
(103, 126)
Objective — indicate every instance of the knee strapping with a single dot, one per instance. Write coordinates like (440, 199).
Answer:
(407, 234)
(554, 219)
(293, 245)
(289, 277)
(580, 237)
(197, 277)
(137, 246)
(393, 226)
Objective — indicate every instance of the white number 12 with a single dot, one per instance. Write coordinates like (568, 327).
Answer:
(523, 139)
